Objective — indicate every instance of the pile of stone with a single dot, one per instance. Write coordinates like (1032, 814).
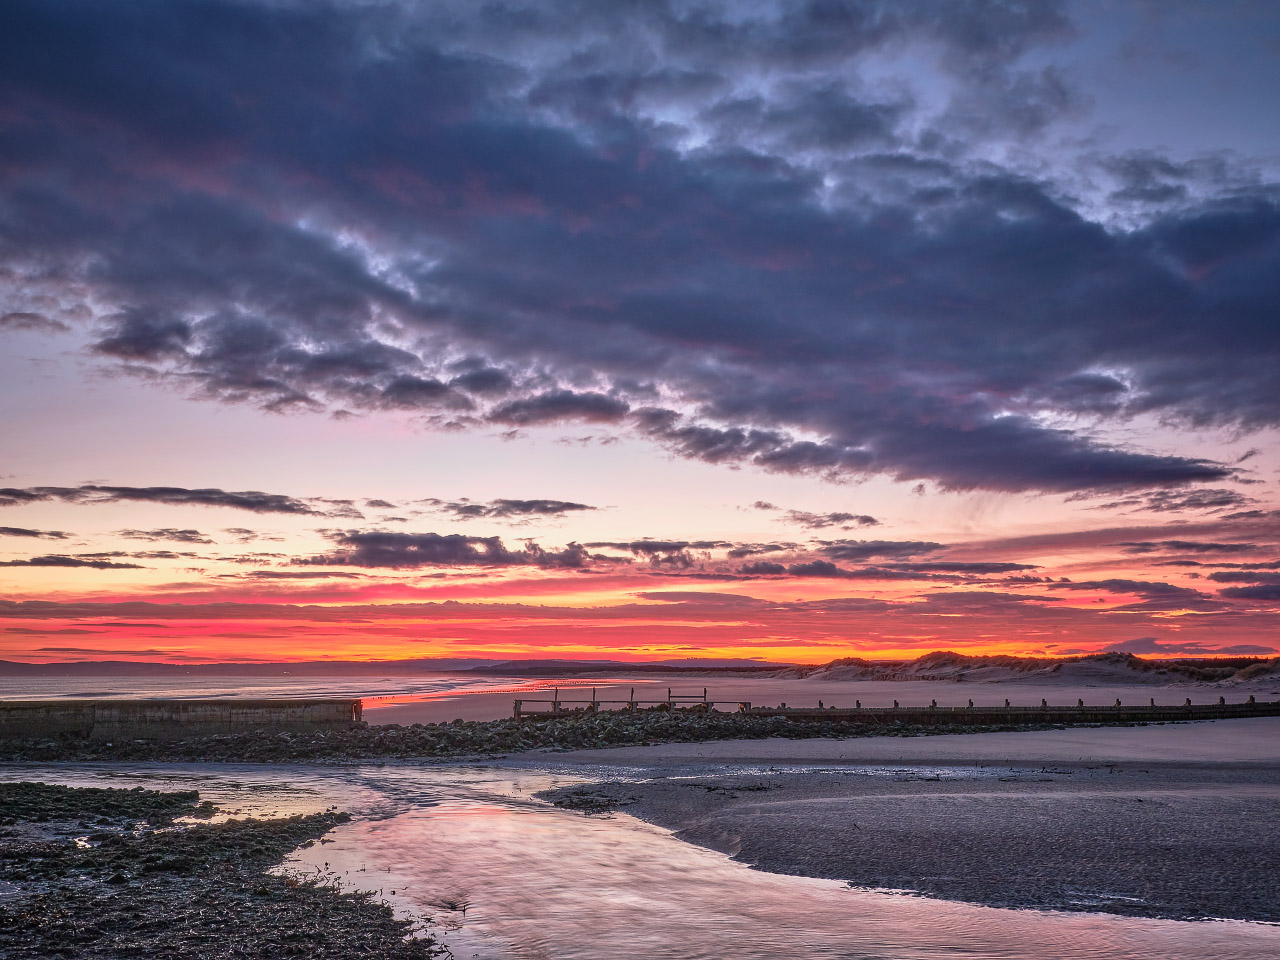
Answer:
(465, 738)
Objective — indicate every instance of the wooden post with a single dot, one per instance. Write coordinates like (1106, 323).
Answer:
(517, 710)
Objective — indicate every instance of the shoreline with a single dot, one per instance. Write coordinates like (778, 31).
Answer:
(1160, 842)
(109, 872)
(1163, 822)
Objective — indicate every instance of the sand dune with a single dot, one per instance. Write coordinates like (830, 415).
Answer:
(1103, 668)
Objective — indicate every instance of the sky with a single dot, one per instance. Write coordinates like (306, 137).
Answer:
(638, 330)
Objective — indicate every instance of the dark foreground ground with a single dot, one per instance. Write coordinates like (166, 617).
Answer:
(470, 738)
(1176, 841)
(99, 873)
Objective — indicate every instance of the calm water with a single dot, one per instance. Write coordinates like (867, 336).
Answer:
(509, 878)
(373, 689)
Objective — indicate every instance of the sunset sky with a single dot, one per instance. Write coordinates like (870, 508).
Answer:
(638, 330)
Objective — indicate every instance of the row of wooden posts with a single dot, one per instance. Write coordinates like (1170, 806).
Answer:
(1080, 713)
(697, 701)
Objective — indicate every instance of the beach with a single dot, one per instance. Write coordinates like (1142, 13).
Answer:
(1173, 821)
(516, 843)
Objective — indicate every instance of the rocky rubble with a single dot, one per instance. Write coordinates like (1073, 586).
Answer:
(88, 874)
(465, 738)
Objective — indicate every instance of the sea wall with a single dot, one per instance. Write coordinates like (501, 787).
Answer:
(170, 719)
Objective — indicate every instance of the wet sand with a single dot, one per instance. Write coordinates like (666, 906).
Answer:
(1174, 821)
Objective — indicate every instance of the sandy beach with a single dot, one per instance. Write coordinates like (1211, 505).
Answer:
(1174, 821)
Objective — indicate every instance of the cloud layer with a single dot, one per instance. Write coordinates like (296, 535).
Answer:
(703, 224)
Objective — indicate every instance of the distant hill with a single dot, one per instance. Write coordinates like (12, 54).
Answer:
(940, 665)
(380, 668)
(1093, 668)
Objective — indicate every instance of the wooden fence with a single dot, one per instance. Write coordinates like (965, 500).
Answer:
(931, 715)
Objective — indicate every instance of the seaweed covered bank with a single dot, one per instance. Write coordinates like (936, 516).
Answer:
(97, 872)
(470, 738)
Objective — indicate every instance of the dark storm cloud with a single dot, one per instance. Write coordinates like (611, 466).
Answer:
(516, 510)
(404, 551)
(252, 500)
(166, 533)
(61, 561)
(515, 214)
(24, 532)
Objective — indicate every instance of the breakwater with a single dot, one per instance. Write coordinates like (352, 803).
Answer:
(171, 719)
(934, 715)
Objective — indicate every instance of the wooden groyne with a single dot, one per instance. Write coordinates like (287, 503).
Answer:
(171, 719)
(931, 715)
(534, 709)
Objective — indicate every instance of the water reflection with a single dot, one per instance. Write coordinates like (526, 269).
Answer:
(509, 878)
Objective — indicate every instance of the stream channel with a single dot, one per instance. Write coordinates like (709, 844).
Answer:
(507, 877)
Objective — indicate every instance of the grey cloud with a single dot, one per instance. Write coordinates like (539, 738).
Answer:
(819, 521)
(1152, 595)
(502, 509)
(802, 290)
(762, 568)
(1263, 592)
(1244, 576)
(1141, 645)
(858, 550)
(252, 500)
(1184, 546)
(291, 575)
(21, 320)
(559, 406)
(402, 551)
(1212, 498)
(976, 567)
(166, 533)
(38, 534)
(63, 561)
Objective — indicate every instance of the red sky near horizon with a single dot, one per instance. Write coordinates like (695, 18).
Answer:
(627, 337)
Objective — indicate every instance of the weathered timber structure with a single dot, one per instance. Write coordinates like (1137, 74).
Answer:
(932, 715)
(171, 719)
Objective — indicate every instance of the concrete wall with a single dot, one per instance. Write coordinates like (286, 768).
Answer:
(170, 719)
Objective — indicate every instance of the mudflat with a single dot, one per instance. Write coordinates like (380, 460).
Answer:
(1137, 833)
